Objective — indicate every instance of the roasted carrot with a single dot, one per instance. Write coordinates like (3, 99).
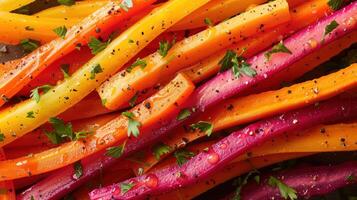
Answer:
(7, 191)
(19, 27)
(98, 69)
(161, 105)
(159, 67)
(301, 16)
(247, 109)
(32, 65)
(9, 5)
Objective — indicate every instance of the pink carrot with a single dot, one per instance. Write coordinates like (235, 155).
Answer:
(224, 151)
(307, 181)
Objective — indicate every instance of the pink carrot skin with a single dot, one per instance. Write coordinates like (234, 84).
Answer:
(307, 181)
(224, 151)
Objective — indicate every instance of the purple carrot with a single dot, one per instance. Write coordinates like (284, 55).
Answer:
(206, 96)
(224, 151)
(307, 181)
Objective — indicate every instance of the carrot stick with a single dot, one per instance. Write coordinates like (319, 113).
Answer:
(224, 151)
(234, 112)
(124, 85)
(32, 65)
(10, 5)
(231, 170)
(6, 187)
(86, 79)
(307, 181)
(38, 138)
(19, 27)
(301, 16)
(115, 131)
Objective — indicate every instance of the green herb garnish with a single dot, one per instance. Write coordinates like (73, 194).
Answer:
(133, 125)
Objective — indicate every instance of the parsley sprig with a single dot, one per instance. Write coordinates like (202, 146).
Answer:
(97, 46)
(335, 4)
(278, 48)
(125, 187)
(285, 191)
(115, 151)
(35, 93)
(61, 31)
(204, 127)
(160, 149)
(182, 156)
(330, 27)
(62, 131)
(66, 2)
(165, 46)
(237, 63)
(133, 125)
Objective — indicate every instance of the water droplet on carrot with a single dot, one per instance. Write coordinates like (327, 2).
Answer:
(151, 181)
(213, 157)
(312, 43)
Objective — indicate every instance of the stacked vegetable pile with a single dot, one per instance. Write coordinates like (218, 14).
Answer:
(146, 99)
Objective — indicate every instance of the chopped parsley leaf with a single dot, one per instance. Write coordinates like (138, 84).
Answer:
(61, 31)
(2, 137)
(208, 22)
(278, 48)
(96, 45)
(184, 113)
(203, 126)
(330, 27)
(62, 131)
(115, 151)
(285, 191)
(35, 93)
(240, 182)
(133, 125)
(139, 62)
(30, 114)
(160, 149)
(335, 4)
(182, 156)
(133, 99)
(29, 45)
(95, 70)
(351, 177)
(78, 170)
(65, 70)
(237, 63)
(125, 187)
(165, 46)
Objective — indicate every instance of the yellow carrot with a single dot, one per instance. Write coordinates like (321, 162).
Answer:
(17, 27)
(93, 73)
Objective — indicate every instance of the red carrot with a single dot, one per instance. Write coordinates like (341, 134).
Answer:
(224, 151)
(306, 181)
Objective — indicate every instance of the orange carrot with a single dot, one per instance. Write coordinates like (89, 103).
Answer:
(32, 65)
(238, 111)
(301, 16)
(7, 191)
(150, 112)
(161, 67)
